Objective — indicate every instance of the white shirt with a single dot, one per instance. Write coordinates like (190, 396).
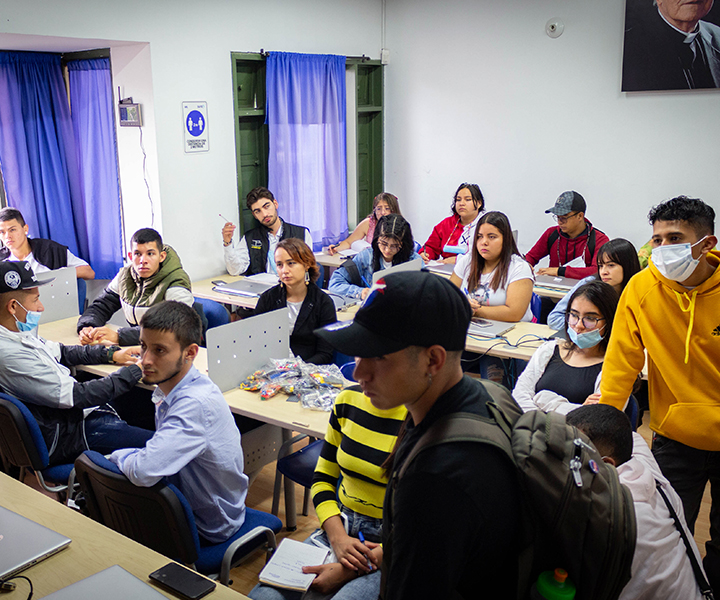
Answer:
(293, 312)
(72, 261)
(237, 258)
(484, 294)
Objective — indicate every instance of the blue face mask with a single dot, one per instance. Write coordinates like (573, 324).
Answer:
(32, 320)
(585, 340)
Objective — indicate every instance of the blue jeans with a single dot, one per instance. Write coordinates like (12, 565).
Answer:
(105, 432)
(366, 587)
(688, 470)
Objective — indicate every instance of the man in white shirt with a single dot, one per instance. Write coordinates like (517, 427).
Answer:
(196, 443)
(255, 251)
(42, 255)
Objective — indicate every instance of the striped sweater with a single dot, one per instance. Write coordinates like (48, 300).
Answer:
(359, 439)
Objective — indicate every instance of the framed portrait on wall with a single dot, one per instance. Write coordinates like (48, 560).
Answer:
(671, 45)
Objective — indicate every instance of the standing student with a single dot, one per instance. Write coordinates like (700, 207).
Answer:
(452, 236)
(573, 244)
(308, 306)
(563, 374)
(255, 251)
(392, 245)
(42, 255)
(669, 311)
(383, 204)
(617, 263)
(450, 522)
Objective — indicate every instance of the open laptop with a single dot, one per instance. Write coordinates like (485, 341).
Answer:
(411, 265)
(489, 328)
(24, 542)
(114, 583)
(560, 283)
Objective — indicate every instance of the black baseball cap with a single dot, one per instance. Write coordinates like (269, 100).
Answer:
(568, 202)
(19, 276)
(412, 308)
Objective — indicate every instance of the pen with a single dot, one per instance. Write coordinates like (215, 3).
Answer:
(364, 280)
(226, 220)
(361, 537)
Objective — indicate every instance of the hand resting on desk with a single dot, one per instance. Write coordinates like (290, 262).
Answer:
(98, 335)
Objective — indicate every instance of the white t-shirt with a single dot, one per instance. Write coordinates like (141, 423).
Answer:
(293, 312)
(484, 294)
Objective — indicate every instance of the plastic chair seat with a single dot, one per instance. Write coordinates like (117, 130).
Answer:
(300, 466)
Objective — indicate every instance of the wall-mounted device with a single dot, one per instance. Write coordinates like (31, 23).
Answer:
(130, 113)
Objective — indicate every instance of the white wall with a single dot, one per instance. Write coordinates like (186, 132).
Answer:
(476, 91)
(189, 53)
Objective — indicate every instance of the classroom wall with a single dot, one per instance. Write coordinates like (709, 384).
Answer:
(185, 47)
(476, 91)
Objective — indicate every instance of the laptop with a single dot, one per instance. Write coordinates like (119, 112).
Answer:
(560, 283)
(489, 328)
(114, 583)
(24, 542)
(248, 287)
(411, 265)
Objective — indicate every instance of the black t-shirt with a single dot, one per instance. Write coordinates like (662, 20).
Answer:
(573, 383)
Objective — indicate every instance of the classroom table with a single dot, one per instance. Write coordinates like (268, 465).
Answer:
(532, 335)
(94, 547)
(204, 289)
(550, 292)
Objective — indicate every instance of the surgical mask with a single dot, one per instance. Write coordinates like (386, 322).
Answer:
(32, 320)
(675, 261)
(585, 340)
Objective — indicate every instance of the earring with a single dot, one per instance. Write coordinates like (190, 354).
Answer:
(307, 277)
(429, 376)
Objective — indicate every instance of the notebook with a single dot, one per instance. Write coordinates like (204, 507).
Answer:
(114, 583)
(411, 265)
(561, 283)
(251, 287)
(284, 570)
(489, 328)
(24, 542)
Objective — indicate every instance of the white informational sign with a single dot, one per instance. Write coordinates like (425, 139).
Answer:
(195, 127)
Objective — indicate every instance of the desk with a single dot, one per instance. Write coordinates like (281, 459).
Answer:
(204, 289)
(94, 547)
(550, 292)
(494, 347)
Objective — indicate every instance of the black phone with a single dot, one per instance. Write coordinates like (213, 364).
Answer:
(185, 582)
(217, 282)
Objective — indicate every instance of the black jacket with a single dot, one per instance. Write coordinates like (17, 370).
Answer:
(46, 252)
(258, 243)
(317, 310)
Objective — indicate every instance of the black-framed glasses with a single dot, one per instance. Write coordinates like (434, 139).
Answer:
(388, 246)
(589, 323)
(564, 218)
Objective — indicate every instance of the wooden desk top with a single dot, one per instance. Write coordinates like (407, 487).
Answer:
(548, 292)
(495, 347)
(326, 260)
(94, 547)
(204, 289)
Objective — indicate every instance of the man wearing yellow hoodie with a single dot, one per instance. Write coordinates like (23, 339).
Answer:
(672, 311)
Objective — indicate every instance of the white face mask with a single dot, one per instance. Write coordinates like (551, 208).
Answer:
(676, 261)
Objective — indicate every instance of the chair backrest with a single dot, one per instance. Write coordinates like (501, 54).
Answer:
(215, 312)
(347, 370)
(153, 516)
(21, 442)
(536, 306)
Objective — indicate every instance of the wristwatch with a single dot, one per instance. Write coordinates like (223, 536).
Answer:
(111, 352)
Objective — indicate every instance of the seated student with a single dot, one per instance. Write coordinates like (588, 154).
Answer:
(383, 204)
(451, 236)
(572, 244)
(392, 245)
(155, 274)
(348, 491)
(617, 263)
(661, 567)
(308, 306)
(36, 371)
(255, 251)
(196, 444)
(42, 255)
(563, 374)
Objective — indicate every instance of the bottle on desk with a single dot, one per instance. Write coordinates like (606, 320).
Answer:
(553, 585)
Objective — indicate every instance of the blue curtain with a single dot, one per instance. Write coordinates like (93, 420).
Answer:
(91, 103)
(37, 149)
(306, 125)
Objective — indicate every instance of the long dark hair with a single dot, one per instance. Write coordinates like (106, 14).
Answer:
(477, 262)
(622, 252)
(605, 298)
(398, 229)
(477, 197)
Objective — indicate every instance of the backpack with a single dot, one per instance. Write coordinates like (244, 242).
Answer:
(352, 271)
(576, 513)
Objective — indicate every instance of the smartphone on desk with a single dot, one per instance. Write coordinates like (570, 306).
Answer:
(184, 582)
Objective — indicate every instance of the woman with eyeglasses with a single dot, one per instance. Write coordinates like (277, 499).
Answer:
(452, 236)
(564, 374)
(617, 262)
(392, 245)
(383, 204)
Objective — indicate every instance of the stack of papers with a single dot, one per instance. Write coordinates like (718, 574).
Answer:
(285, 567)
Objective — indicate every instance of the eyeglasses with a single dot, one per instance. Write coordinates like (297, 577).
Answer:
(391, 247)
(383, 210)
(589, 323)
(564, 218)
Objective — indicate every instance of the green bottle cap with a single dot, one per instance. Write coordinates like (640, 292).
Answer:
(554, 585)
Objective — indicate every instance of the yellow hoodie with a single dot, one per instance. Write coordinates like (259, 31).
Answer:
(680, 329)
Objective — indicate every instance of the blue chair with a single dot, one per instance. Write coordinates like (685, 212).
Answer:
(82, 294)
(160, 518)
(347, 370)
(22, 445)
(215, 313)
(632, 410)
(536, 306)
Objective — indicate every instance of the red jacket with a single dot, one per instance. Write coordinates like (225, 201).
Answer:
(564, 249)
(446, 232)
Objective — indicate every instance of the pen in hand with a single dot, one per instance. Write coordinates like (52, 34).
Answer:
(361, 537)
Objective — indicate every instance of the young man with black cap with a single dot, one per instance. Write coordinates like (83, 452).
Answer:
(572, 244)
(450, 521)
(72, 416)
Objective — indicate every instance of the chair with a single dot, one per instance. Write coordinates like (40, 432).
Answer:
(347, 370)
(22, 445)
(536, 306)
(160, 518)
(215, 312)
(632, 410)
(82, 294)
